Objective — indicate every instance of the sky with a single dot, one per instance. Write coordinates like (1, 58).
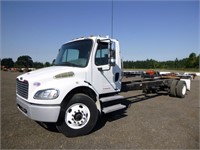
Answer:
(159, 30)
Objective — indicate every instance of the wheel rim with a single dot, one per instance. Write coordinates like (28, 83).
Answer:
(184, 90)
(77, 116)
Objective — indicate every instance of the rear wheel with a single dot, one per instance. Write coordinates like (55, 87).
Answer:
(79, 116)
(181, 89)
(173, 88)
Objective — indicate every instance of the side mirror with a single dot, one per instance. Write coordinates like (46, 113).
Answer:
(112, 53)
(112, 57)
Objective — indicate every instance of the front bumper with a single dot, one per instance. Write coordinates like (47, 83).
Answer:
(43, 113)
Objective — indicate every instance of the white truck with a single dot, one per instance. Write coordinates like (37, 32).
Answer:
(84, 83)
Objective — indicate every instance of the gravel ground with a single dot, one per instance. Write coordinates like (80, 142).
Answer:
(153, 122)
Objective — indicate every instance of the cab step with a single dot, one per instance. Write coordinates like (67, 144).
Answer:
(111, 98)
(113, 108)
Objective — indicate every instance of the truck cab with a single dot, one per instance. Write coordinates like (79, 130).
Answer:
(71, 92)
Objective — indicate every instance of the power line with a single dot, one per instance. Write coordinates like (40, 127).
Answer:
(112, 20)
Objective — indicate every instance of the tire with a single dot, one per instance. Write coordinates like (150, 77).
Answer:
(78, 117)
(181, 89)
(173, 88)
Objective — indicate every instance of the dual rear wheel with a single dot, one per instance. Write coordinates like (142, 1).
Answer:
(178, 89)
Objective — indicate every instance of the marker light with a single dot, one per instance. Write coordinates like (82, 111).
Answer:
(64, 75)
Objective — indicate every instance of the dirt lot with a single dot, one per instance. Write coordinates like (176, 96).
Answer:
(154, 122)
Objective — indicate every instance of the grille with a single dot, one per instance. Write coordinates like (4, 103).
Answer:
(22, 88)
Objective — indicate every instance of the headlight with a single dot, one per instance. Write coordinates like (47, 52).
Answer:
(47, 94)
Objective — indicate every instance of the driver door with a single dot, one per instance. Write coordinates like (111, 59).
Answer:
(104, 75)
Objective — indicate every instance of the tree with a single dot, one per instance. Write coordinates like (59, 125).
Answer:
(191, 60)
(47, 64)
(182, 63)
(24, 61)
(176, 62)
(38, 65)
(7, 62)
(196, 65)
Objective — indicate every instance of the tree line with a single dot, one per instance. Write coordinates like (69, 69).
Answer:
(192, 61)
(23, 62)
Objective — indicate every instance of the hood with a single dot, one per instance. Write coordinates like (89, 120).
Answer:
(45, 73)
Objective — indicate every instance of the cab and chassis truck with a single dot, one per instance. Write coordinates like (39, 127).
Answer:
(84, 83)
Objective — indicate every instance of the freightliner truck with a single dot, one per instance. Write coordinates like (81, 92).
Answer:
(84, 83)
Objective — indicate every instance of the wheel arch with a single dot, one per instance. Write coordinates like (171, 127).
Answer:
(84, 90)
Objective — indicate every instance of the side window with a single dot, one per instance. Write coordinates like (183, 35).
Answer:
(101, 57)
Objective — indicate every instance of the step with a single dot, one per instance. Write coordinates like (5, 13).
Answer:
(111, 98)
(113, 108)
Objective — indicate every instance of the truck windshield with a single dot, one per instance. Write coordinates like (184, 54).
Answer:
(74, 54)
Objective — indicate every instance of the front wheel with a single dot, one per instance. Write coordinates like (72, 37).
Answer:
(78, 117)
